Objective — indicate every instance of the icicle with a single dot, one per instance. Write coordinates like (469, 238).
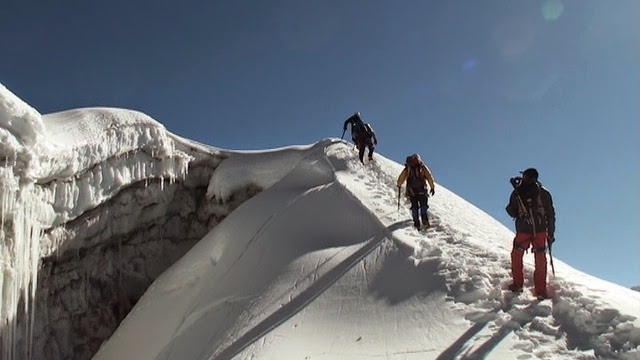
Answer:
(20, 252)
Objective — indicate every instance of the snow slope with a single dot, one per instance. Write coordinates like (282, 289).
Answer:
(322, 265)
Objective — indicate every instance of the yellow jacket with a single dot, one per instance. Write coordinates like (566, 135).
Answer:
(425, 175)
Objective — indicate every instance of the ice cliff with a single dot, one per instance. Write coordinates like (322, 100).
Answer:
(95, 204)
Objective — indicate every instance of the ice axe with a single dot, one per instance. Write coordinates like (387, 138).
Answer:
(553, 270)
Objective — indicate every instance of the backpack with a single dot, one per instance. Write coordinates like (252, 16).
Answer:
(368, 130)
(358, 126)
(415, 178)
(532, 202)
(413, 160)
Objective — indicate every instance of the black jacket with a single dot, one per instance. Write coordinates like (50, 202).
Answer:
(356, 123)
(538, 205)
(360, 130)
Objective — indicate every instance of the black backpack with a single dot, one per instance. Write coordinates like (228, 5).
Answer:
(532, 202)
(368, 130)
(358, 127)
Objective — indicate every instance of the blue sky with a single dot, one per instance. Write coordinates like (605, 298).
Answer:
(481, 89)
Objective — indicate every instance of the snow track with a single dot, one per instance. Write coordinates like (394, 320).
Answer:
(323, 265)
(473, 257)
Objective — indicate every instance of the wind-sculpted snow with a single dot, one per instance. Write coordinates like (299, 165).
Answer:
(325, 266)
(99, 151)
(270, 166)
(21, 131)
(262, 268)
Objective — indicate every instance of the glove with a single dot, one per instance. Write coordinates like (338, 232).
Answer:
(551, 239)
(432, 192)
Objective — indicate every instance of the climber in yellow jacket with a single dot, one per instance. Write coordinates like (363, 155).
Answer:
(417, 175)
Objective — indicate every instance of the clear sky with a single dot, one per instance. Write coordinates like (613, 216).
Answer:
(481, 89)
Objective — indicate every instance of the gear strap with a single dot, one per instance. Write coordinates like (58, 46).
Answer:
(525, 249)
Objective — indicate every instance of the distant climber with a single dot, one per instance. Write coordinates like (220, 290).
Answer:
(362, 135)
(531, 206)
(417, 175)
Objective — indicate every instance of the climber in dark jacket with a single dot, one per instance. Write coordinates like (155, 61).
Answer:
(362, 135)
(531, 205)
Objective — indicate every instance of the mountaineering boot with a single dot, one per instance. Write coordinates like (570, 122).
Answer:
(515, 288)
(416, 224)
(541, 295)
(425, 222)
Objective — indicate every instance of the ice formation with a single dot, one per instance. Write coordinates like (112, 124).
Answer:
(54, 168)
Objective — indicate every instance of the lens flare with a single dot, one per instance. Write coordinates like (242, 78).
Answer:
(514, 36)
(469, 64)
(552, 9)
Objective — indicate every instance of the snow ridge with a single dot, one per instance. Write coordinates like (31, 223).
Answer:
(303, 270)
(473, 250)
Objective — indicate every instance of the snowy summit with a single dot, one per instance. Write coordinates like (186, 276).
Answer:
(120, 240)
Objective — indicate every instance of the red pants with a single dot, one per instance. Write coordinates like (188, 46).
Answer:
(538, 243)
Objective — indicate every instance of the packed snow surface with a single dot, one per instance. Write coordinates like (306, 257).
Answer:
(321, 264)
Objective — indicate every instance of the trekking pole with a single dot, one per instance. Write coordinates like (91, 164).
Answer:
(398, 198)
(343, 131)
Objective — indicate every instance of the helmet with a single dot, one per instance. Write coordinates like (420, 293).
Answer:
(531, 173)
(357, 113)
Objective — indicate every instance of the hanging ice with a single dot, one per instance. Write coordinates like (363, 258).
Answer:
(22, 133)
(53, 168)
